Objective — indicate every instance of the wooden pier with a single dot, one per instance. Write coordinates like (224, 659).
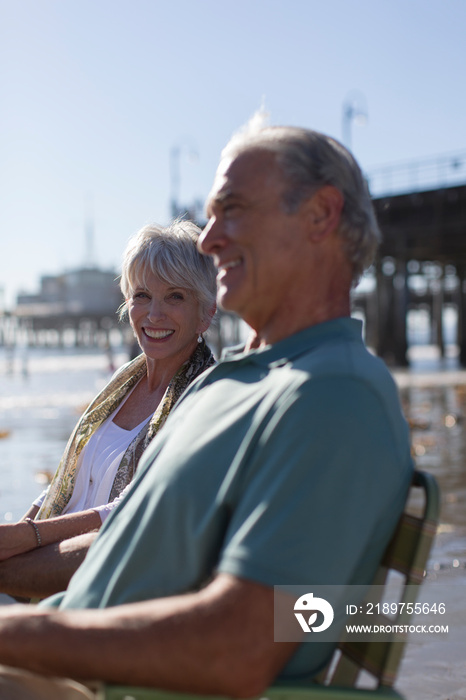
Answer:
(424, 237)
(421, 264)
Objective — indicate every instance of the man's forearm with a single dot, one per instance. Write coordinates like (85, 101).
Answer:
(218, 641)
(46, 570)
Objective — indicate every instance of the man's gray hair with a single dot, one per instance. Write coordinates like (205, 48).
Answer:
(169, 252)
(310, 160)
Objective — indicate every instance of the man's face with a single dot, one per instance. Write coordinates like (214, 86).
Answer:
(256, 246)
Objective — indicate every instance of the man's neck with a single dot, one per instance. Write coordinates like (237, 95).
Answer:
(289, 323)
(320, 292)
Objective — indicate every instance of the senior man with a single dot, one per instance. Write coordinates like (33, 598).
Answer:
(285, 464)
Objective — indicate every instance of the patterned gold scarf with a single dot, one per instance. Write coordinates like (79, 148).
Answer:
(101, 408)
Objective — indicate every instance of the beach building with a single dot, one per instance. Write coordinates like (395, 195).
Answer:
(78, 306)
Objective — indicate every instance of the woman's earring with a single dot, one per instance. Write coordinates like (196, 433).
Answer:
(200, 338)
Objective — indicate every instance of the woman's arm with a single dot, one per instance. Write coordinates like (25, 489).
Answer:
(31, 513)
(44, 571)
(21, 537)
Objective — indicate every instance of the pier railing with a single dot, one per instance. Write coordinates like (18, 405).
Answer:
(434, 172)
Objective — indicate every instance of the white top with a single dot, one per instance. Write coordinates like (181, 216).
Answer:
(97, 466)
(104, 511)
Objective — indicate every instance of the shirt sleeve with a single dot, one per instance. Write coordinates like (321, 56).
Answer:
(325, 487)
(41, 498)
(105, 510)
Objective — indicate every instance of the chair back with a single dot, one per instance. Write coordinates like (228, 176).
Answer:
(407, 555)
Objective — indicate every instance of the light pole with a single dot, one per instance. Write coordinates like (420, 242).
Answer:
(354, 109)
(175, 177)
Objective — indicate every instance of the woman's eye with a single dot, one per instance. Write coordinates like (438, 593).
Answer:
(140, 295)
(177, 296)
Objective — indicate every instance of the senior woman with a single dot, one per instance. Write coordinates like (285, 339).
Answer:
(169, 291)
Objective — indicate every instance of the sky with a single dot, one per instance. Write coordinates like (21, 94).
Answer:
(96, 95)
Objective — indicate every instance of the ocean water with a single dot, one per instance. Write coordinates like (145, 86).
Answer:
(42, 393)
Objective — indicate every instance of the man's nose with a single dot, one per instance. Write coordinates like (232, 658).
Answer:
(210, 239)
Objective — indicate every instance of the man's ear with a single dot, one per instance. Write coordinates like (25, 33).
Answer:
(324, 212)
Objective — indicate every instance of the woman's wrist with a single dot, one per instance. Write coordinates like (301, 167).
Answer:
(23, 537)
(35, 527)
(16, 539)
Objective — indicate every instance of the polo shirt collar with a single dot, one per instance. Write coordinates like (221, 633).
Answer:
(285, 350)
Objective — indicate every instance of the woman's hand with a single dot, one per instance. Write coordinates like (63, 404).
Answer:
(16, 538)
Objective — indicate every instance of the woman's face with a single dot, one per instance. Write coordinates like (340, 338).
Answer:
(166, 320)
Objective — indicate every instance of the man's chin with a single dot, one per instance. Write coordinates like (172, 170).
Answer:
(227, 303)
(225, 299)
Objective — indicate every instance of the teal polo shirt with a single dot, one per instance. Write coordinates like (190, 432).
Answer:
(288, 465)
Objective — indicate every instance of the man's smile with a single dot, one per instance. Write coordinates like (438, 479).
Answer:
(230, 265)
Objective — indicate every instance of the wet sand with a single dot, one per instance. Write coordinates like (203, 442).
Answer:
(434, 667)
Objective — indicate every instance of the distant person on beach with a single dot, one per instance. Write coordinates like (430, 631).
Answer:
(285, 464)
(169, 288)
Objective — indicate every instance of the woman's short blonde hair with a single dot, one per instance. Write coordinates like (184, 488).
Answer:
(170, 252)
